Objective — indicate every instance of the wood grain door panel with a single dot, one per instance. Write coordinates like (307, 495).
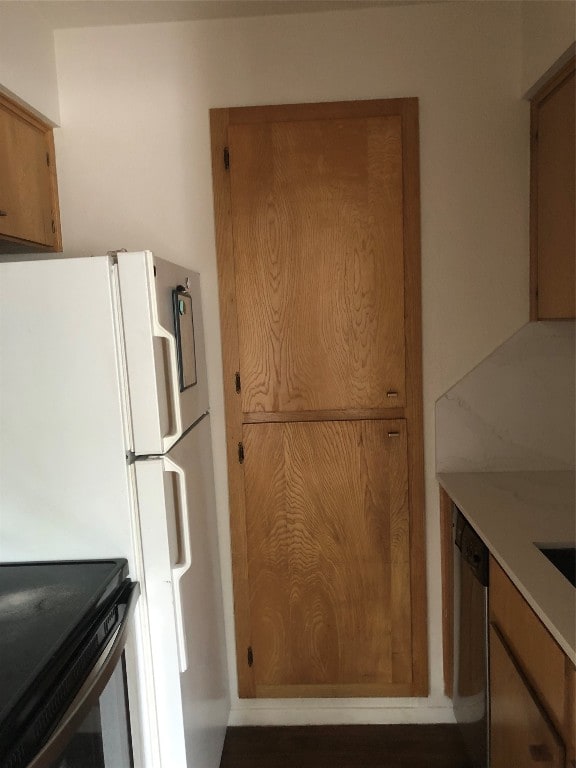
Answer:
(329, 557)
(317, 212)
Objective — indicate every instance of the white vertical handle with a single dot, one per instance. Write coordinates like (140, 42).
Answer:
(181, 567)
(169, 440)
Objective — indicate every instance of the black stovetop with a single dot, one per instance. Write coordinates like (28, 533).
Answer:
(45, 612)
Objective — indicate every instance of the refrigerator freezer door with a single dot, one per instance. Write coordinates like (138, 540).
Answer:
(164, 339)
(65, 491)
(183, 593)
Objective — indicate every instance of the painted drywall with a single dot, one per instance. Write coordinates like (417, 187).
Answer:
(134, 172)
(548, 31)
(27, 59)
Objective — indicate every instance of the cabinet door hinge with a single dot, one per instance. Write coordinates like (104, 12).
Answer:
(241, 453)
(238, 384)
(250, 655)
(48, 159)
(226, 158)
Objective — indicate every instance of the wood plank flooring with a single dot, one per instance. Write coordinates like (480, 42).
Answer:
(348, 746)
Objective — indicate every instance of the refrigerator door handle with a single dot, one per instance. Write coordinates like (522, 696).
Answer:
(159, 330)
(185, 562)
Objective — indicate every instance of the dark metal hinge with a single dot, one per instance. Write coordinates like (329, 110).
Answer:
(250, 656)
(241, 453)
(238, 385)
(226, 158)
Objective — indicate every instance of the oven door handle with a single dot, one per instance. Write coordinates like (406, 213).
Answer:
(93, 686)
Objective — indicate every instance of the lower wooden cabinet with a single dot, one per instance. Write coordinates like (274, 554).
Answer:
(571, 715)
(532, 685)
(521, 734)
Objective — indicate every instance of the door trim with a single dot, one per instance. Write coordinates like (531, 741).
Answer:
(220, 120)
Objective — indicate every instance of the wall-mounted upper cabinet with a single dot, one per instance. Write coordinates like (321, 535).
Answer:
(553, 204)
(29, 214)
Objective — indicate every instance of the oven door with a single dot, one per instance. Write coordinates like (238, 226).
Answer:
(95, 730)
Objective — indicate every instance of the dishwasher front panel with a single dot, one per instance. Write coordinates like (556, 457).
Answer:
(470, 640)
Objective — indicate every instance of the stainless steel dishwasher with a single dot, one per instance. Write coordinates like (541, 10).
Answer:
(470, 640)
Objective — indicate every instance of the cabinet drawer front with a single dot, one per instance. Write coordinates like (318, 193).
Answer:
(520, 734)
(536, 651)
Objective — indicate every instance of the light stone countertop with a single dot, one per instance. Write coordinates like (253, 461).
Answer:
(511, 511)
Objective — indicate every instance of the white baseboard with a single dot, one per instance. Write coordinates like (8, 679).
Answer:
(263, 712)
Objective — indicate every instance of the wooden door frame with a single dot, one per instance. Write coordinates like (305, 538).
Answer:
(543, 93)
(220, 120)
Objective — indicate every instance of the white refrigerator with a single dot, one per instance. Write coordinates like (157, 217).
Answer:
(105, 451)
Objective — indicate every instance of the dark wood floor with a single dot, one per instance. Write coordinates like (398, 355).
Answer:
(348, 746)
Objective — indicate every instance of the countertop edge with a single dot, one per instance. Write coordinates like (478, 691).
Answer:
(481, 496)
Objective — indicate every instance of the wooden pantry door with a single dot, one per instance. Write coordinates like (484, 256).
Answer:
(318, 253)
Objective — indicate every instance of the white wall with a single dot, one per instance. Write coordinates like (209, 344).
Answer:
(548, 30)
(134, 172)
(27, 59)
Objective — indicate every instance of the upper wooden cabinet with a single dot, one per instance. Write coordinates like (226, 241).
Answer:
(29, 215)
(553, 201)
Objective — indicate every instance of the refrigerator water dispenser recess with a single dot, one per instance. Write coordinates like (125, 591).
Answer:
(185, 343)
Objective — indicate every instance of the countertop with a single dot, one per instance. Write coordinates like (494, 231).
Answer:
(511, 511)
